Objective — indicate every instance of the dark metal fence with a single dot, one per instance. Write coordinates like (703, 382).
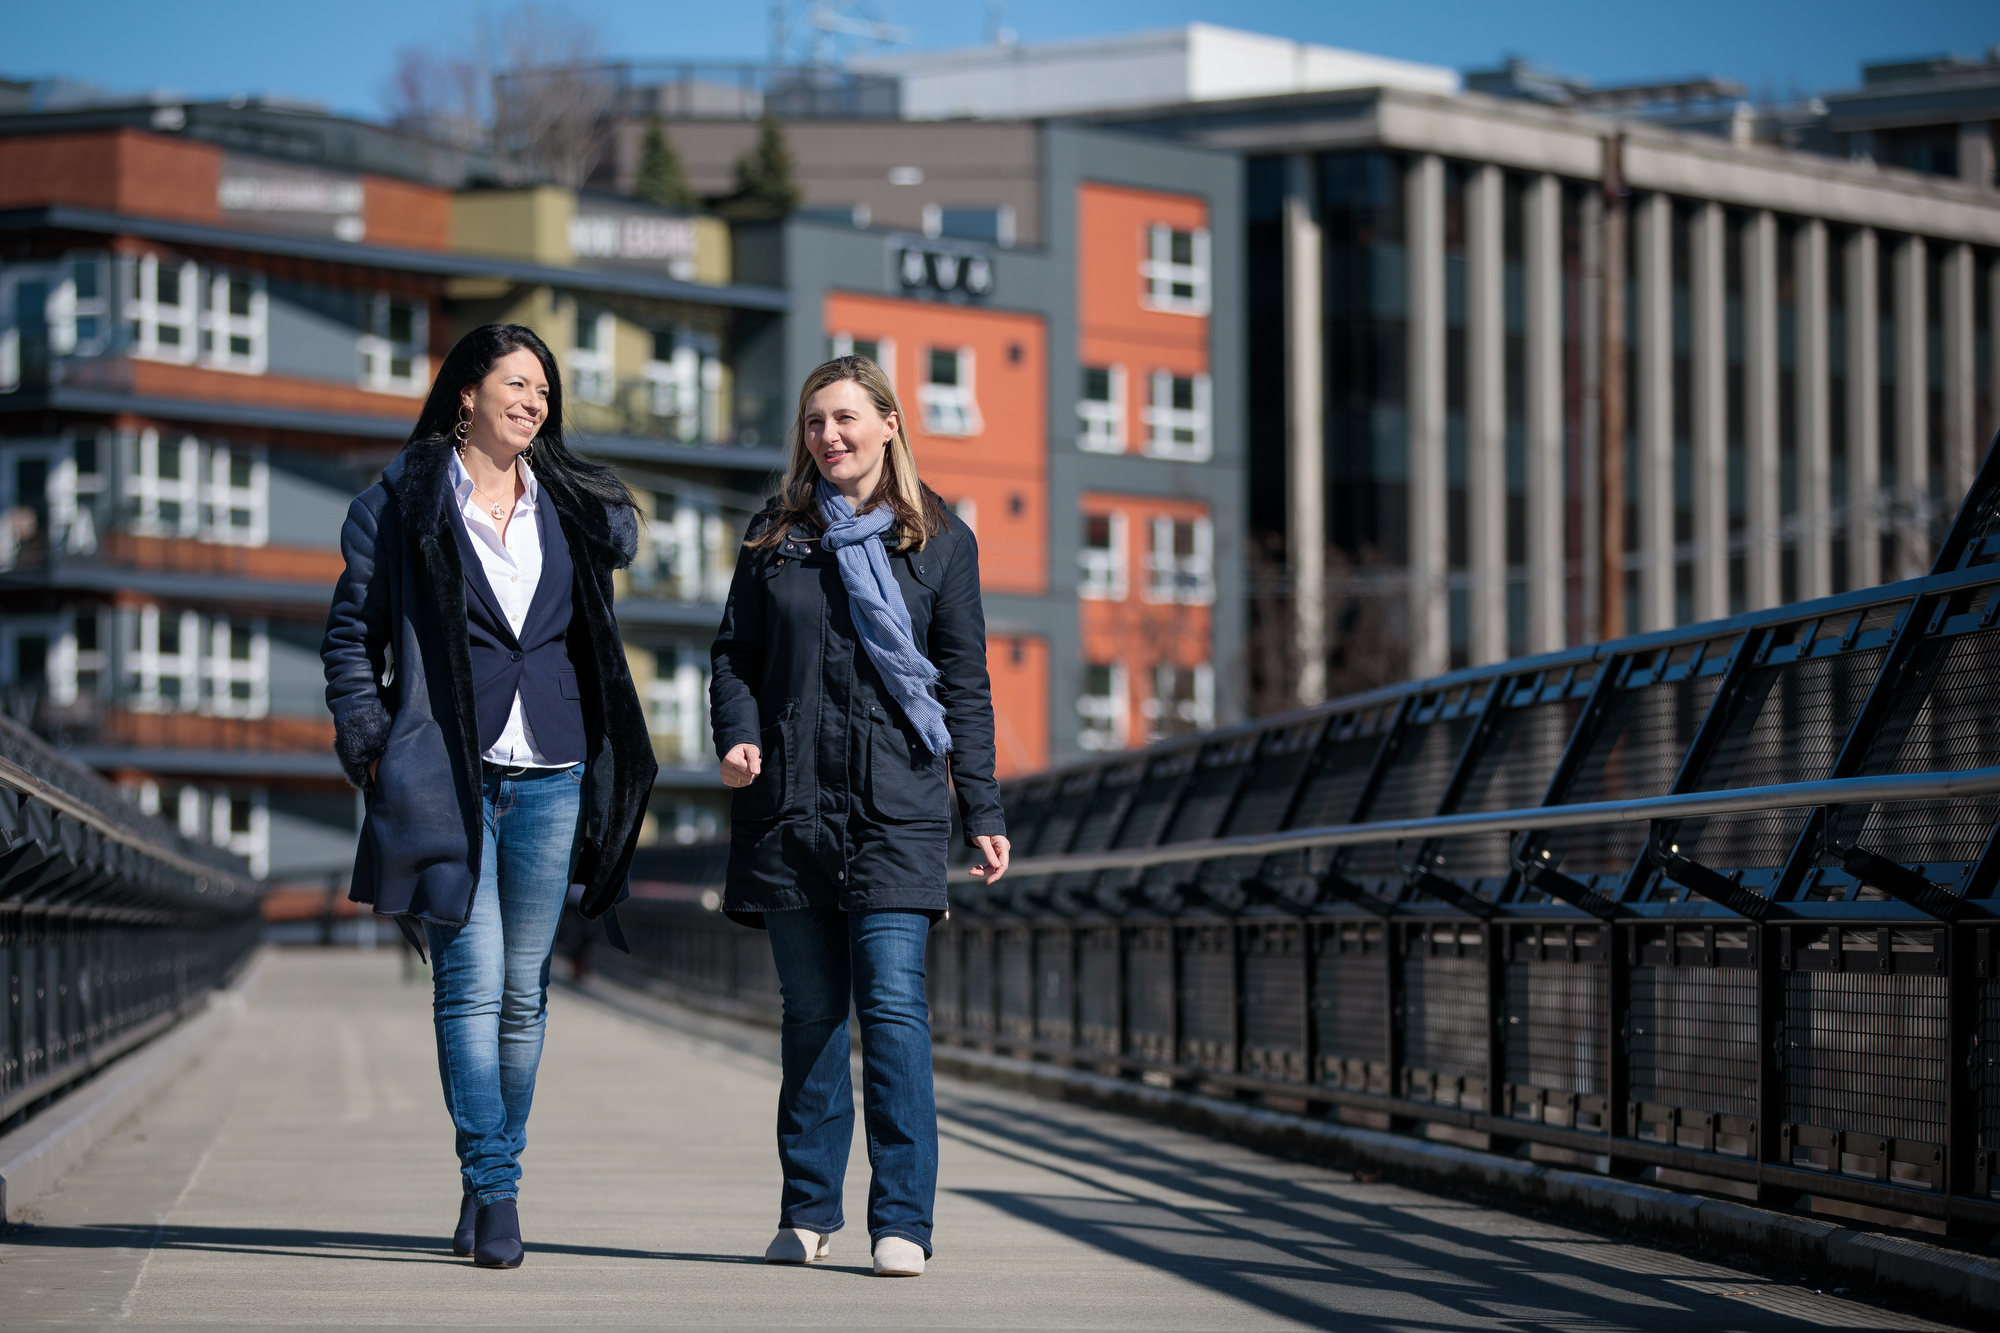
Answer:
(1715, 904)
(111, 924)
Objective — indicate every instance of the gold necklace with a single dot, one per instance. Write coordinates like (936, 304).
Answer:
(498, 511)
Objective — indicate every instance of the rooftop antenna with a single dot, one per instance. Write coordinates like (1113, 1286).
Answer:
(827, 33)
(997, 31)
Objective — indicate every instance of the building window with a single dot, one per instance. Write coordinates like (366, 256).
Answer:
(163, 483)
(1183, 701)
(236, 509)
(882, 351)
(967, 510)
(592, 368)
(162, 660)
(236, 329)
(1180, 563)
(395, 333)
(676, 704)
(160, 322)
(79, 309)
(237, 678)
(1101, 708)
(692, 550)
(1103, 558)
(81, 673)
(1101, 410)
(1175, 271)
(1177, 417)
(950, 407)
(673, 383)
(240, 822)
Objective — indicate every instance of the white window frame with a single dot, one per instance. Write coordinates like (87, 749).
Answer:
(145, 316)
(66, 309)
(1188, 580)
(377, 353)
(253, 845)
(1101, 425)
(842, 344)
(674, 388)
(1198, 714)
(145, 665)
(223, 328)
(70, 500)
(1105, 718)
(675, 706)
(145, 490)
(594, 372)
(1159, 274)
(690, 562)
(1104, 576)
(224, 499)
(951, 409)
(222, 672)
(1164, 421)
(75, 659)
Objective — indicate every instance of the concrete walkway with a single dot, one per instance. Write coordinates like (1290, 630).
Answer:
(302, 1176)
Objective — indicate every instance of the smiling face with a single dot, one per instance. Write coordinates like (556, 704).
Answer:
(509, 405)
(848, 437)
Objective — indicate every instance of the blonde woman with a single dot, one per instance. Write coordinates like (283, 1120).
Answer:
(849, 701)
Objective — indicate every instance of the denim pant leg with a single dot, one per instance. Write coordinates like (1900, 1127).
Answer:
(816, 1098)
(899, 1106)
(492, 975)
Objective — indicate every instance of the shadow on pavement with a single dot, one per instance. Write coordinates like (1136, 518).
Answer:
(300, 1242)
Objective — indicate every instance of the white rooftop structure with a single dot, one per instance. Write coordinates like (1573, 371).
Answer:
(1196, 63)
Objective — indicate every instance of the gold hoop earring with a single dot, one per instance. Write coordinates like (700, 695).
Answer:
(463, 431)
(528, 454)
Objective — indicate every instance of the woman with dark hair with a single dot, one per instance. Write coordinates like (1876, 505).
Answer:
(850, 675)
(482, 703)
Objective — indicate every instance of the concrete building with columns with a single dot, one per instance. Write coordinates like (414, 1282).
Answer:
(1793, 353)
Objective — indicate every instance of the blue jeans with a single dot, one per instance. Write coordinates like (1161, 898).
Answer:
(491, 975)
(824, 957)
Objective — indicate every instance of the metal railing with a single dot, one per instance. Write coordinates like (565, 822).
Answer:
(1715, 905)
(111, 923)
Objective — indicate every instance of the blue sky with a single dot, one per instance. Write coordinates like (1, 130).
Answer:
(341, 53)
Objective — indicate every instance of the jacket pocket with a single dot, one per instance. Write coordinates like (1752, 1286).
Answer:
(764, 798)
(905, 780)
(566, 682)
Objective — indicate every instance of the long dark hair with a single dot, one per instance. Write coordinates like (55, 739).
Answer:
(471, 361)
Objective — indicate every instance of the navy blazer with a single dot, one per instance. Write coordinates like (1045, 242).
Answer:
(535, 664)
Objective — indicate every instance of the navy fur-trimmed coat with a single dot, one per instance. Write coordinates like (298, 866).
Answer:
(399, 682)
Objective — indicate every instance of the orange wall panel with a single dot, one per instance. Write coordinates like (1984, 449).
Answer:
(1114, 326)
(152, 378)
(124, 171)
(1019, 665)
(1003, 468)
(407, 216)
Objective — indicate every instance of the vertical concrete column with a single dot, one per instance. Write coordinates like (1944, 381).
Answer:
(1762, 584)
(1812, 411)
(1961, 437)
(1541, 281)
(1486, 415)
(1710, 349)
(1975, 153)
(1430, 631)
(1653, 408)
(1864, 411)
(1305, 430)
(1913, 483)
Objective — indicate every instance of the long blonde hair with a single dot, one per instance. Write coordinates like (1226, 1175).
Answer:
(919, 512)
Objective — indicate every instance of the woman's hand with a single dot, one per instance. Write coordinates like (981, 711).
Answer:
(994, 847)
(741, 765)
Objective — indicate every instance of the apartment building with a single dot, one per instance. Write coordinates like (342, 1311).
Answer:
(1073, 387)
(206, 350)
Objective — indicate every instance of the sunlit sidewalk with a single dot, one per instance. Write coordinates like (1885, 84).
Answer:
(302, 1175)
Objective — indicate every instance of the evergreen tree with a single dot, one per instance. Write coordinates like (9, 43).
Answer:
(765, 187)
(661, 177)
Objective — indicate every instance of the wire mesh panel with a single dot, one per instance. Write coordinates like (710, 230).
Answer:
(1212, 791)
(1055, 986)
(1411, 787)
(1097, 989)
(1983, 1062)
(947, 979)
(1863, 1051)
(1351, 1004)
(1149, 993)
(979, 1016)
(1511, 772)
(1274, 1000)
(1444, 1014)
(1556, 1004)
(1066, 814)
(1015, 969)
(1268, 791)
(1334, 779)
(1208, 996)
(1692, 1044)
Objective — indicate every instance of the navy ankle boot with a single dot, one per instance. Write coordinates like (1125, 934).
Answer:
(497, 1236)
(461, 1237)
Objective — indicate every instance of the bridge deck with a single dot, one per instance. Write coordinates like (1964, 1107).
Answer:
(301, 1175)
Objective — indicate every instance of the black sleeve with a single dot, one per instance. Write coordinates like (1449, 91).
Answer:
(737, 658)
(355, 649)
(958, 649)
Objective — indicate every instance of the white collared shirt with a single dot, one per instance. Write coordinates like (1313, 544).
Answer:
(513, 569)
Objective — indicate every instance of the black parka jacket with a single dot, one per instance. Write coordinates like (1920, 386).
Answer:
(399, 683)
(851, 807)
